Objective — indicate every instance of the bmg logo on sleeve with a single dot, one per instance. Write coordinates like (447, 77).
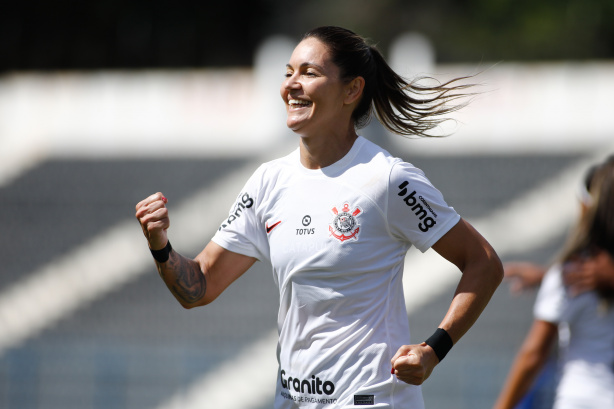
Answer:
(244, 201)
(419, 209)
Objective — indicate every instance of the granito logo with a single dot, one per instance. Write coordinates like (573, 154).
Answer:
(314, 386)
(243, 202)
(410, 200)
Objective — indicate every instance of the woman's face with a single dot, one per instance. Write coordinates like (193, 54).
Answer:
(312, 91)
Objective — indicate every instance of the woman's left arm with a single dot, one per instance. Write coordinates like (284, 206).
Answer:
(482, 273)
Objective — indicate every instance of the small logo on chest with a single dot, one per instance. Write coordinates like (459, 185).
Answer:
(345, 223)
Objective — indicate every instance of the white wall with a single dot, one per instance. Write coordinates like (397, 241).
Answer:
(533, 107)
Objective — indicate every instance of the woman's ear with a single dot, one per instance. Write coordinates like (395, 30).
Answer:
(354, 90)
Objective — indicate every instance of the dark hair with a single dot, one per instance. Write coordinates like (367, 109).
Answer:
(405, 108)
(595, 229)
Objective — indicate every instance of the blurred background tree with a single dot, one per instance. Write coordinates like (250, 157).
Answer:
(137, 34)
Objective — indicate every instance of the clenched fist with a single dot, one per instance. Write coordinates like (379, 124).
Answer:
(413, 364)
(152, 214)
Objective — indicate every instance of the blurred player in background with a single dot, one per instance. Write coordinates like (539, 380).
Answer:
(588, 276)
(576, 303)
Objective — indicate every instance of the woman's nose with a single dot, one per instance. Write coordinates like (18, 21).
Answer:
(291, 82)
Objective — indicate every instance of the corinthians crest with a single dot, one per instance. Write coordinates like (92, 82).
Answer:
(344, 226)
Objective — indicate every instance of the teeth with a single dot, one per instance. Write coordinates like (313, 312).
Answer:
(298, 102)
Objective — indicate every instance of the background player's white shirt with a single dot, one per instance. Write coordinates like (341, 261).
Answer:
(337, 238)
(586, 338)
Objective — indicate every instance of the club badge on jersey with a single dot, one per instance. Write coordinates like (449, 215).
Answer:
(344, 225)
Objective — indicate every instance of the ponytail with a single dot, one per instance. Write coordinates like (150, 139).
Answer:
(405, 108)
(413, 108)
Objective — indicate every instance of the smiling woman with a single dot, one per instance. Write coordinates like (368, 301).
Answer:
(335, 81)
(335, 218)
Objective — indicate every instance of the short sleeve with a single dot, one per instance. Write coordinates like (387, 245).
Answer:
(242, 232)
(550, 297)
(417, 211)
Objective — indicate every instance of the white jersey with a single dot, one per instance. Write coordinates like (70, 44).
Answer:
(337, 238)
(586, 338)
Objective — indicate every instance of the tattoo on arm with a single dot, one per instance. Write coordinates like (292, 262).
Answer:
(184, 278)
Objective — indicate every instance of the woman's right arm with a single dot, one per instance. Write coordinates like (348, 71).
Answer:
(523, 275)
(193, 282)
(528, 362)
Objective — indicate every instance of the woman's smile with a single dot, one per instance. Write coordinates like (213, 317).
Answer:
(298, 103)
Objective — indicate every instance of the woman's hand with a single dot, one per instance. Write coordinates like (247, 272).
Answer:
(152, 214)
(413, 364)
(593, 273)
(523, 275)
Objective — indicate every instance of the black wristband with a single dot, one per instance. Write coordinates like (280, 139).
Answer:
(162, 255)
(441, 343)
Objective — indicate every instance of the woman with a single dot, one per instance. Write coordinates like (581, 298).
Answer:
(593, 275)
(342, 320)
(583, 320)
